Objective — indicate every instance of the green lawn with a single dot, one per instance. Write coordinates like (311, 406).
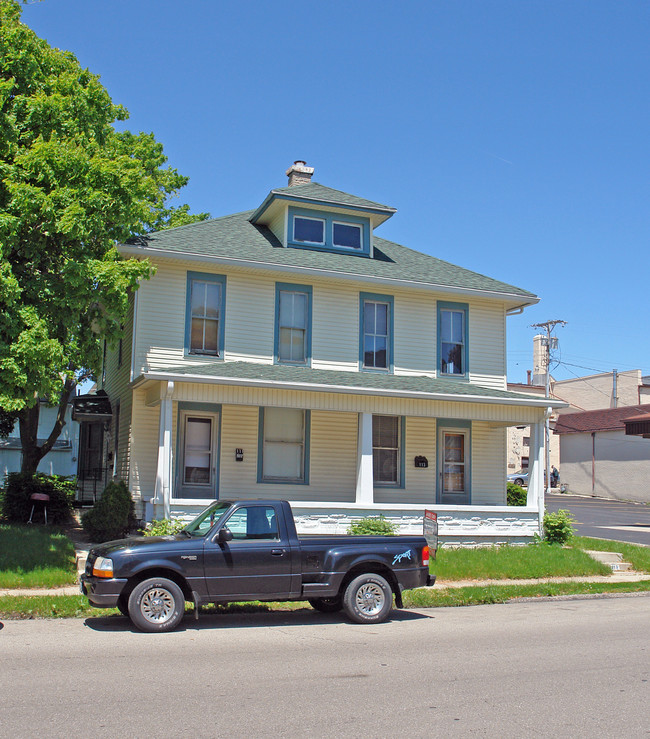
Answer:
(636, 555)
(35, 557)
(513, 563)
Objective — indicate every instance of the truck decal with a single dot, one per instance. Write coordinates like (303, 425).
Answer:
(403, 555)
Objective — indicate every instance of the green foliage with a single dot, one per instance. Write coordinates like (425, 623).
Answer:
(15, 503)
(71, 186)
(557, 527)
(516, 494)
(35, 557)
(373, 526)
(112, 516)
(163, 527)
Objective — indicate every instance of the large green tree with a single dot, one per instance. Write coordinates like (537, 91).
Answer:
(71, 186)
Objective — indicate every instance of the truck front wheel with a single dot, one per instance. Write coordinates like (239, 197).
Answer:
(368, 599)
(156, 604)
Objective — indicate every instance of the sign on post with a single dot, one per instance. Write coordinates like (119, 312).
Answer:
(430, 526)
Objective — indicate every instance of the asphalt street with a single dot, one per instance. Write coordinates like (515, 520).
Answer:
(563, 668)
(605, 519)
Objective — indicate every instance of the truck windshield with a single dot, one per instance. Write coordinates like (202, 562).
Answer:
(207, 519)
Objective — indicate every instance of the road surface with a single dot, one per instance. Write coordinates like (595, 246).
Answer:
(605, 519)
(572, 668)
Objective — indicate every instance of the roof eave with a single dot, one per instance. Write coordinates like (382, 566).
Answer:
(345, 389)
(145, 251)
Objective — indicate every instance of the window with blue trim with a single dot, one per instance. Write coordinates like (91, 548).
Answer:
(376, 332)
(205, 314)
(452, 339)
(386, 450)
(293, 324)
(284, 441)
(313, 229)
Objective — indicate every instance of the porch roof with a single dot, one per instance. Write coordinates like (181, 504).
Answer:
(338, 381)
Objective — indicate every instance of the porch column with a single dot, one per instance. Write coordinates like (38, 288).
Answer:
(365, 483)
(164, 469)
(535, 495)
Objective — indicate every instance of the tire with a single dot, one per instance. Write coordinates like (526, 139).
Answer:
(156, 605)
(368, 599)
(123, 606)
(519, 482)
(327, 605)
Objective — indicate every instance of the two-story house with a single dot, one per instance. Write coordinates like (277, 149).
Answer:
(290, 352)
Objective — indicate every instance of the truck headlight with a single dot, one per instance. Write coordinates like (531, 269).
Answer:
(103, 567)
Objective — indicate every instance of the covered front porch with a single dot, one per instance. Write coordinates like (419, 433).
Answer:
(449, 457)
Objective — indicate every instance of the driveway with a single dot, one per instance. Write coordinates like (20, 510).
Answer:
(605, 519)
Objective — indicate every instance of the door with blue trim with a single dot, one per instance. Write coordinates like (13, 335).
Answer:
(453, 467)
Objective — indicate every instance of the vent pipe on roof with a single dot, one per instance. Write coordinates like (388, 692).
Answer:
(299, 173)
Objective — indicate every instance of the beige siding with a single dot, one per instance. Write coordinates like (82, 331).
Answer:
(144, 444)
(487, 344)
(488, 465)
(278, 225)
(250, 318)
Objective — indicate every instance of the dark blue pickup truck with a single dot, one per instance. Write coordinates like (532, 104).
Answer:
(249, 550)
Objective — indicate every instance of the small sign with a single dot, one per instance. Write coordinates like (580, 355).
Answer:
(421, 462)
(239, 455)
(430, 530)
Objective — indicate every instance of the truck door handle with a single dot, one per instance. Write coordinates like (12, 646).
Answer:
(278, 552)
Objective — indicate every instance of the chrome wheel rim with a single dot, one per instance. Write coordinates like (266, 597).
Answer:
(370, 599)
(157, 605)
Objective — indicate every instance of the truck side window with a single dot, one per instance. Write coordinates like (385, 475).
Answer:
(253, 522)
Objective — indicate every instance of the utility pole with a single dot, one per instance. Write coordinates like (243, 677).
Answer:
(551, 343)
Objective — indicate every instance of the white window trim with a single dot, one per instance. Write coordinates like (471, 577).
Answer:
(351, 225)
(307, 218)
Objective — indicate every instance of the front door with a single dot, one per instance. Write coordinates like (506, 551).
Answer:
(453, 467)
(198, 464)
(256, 563)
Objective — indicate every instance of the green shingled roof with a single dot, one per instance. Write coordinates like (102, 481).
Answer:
(364, 381)
(313, 191)
(235, 237)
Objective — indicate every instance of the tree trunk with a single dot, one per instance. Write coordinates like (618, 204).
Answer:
(28, 424)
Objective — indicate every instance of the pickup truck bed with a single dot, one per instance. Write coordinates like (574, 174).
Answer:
(249, 550)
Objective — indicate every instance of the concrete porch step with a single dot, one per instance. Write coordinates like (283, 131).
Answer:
(614, 560)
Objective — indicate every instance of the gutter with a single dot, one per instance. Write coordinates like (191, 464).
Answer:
(344, 389)
(132, 250)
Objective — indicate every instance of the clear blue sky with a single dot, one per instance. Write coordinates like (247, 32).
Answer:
(513, 136)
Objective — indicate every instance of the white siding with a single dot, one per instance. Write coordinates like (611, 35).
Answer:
(415, 333)
(335, 333)
(278, 224)
(487, 344)
(144, 447)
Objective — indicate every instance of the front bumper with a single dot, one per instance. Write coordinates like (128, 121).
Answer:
(100, 592)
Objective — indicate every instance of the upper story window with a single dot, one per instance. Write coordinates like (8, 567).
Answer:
(204, 323)
(308, 230)
(376, 340)
(312, 229)
(293, 324)
(452, 339)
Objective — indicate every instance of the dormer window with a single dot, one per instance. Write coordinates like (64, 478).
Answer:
(346, 235)
(334, 232)
(309, 230)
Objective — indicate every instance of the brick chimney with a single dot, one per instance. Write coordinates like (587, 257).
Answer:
(299, 173)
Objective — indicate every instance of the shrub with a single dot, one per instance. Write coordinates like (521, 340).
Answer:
(516, 494)
(163, 527)
(373, 525)
(557, 527)
(112, 516)
(15, 503)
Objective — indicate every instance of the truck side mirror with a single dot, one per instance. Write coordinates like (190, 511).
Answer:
(225, 534)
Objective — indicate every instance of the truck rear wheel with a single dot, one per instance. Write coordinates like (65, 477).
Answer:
(156, 604)
(327, 605)
(368, 599)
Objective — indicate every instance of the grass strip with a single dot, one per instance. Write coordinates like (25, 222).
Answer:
(76, 606)
(514, 563)
(35, 557)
